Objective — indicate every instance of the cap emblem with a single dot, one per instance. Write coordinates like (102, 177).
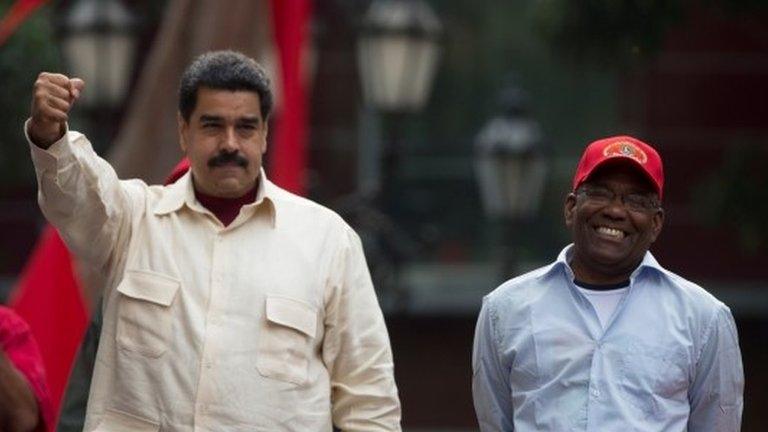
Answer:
(625, 149)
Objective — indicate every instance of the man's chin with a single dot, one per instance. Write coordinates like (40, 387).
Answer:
(231, 188)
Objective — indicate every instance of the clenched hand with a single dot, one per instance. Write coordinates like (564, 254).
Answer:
(52, 98)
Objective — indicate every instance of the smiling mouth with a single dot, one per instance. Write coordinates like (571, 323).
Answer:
(611, 232)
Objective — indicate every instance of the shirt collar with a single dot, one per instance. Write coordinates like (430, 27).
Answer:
(182, 192)
(649, 261)
(564, 258)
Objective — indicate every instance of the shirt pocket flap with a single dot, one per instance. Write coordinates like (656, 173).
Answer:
(151, 287)
(292, 313)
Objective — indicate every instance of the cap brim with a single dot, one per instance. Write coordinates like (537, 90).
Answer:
(618, 160)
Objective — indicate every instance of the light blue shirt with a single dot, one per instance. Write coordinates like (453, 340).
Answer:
(668, 359)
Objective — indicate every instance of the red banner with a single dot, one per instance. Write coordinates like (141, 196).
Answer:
(15, 16)
(48, 297)
(288, 155)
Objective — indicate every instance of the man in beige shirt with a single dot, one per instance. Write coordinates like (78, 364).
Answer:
(230, 304)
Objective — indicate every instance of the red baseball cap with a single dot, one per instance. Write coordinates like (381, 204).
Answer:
(621, 148)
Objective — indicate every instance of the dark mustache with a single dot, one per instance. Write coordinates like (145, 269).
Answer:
(228, 158)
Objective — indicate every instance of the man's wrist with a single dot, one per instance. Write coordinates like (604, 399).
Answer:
(44, 142)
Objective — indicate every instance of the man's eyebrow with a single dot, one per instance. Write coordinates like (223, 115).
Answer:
(248, 120)
(210, 118)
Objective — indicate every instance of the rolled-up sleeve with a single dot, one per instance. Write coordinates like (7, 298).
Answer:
(356, 347)
(716, 394)
(490, 379)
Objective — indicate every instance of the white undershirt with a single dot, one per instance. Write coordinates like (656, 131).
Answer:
(604, 302)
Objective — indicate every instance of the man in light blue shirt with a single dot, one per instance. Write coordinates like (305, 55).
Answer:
(604, 338)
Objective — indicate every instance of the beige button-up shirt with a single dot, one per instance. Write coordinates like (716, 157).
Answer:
(268, 324)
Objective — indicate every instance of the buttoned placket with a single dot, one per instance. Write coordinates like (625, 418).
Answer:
(218, 291)
(209, 353)
(597, 334)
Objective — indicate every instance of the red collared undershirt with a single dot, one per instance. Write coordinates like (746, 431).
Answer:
(225, 209)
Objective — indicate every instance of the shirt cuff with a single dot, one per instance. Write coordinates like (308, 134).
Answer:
(46, 159)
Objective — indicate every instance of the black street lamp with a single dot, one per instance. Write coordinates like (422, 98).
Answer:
(98, 42)
(511, 168)
(398, 50)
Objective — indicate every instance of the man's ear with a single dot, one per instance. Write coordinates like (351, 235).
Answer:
(657, 223)
(569, 209)
(266, 134)
(183, 128)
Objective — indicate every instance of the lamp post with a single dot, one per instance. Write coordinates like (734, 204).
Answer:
(98, 43)
(398, 49)
(511, 168)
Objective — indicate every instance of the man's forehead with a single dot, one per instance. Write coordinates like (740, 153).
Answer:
(227, 104)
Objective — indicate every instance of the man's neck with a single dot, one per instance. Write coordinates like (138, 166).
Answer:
(597, 276)
(601, 287)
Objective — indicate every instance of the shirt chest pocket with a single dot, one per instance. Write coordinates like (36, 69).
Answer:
(286, 339)
(144, 313)
(652, 372)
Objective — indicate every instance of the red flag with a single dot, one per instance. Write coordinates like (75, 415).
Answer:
(48, 297)
(288, 159)
(15, 16)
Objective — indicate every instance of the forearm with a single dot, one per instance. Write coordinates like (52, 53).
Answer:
(366, 399)
(18, 407)
(364, 393)
(490, 378)
(716, 395)
(80, 194)
(357, 350)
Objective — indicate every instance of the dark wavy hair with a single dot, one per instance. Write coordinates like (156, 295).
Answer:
(224, 70)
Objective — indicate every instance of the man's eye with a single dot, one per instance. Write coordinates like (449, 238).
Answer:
(600, 193)
(638, 201)
(210, 125)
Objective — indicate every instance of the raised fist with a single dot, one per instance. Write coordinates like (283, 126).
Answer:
(52, 98)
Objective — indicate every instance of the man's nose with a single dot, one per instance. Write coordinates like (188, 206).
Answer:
(616, 207)
(229, 141)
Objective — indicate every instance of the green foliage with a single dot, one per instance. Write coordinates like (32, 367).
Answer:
(736, 195)
(616, 32)
(29, 51)
(621, 33)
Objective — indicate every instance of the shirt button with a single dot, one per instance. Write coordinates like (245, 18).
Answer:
(595, 392)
